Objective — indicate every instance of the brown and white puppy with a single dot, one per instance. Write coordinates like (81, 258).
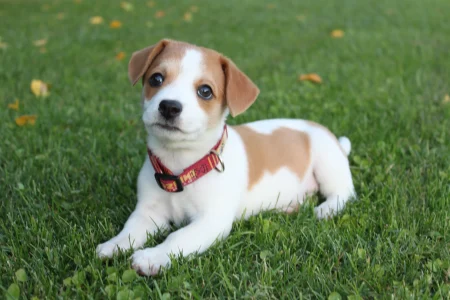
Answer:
(188, 91)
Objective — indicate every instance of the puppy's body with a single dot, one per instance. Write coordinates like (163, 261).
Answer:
(270, 164)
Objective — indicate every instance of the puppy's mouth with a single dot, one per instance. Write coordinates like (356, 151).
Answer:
(167, 127)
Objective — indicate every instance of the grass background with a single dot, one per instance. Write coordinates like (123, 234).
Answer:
(68, 183)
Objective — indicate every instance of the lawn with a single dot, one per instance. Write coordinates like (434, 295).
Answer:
(67, 182)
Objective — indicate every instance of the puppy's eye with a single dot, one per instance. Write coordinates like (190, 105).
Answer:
(156, 80)
(205, 92)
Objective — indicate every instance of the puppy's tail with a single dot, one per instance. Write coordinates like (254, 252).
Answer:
(346, 145)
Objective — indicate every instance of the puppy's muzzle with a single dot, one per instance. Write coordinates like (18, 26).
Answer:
(170, 109)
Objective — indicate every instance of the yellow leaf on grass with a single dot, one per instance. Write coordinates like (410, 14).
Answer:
(160, 14)
(32, 120)
(14, 106)
(390, 12)
(120, 55)
(194, 8)
(446, 99)
(115, 24)
(126, 6)
(313, 77)
(337, 33)
(26, 119)
(3, 45)
(39, 88)
(40, 43)
(187, 17)
(96, 20)
(151, 3)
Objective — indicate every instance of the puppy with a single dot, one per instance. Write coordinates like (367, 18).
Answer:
(201, 170)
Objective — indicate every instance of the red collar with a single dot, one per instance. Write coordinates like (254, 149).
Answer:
(172, 183)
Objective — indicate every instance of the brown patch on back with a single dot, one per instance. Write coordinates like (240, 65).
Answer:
(284, 147)
(314, 124)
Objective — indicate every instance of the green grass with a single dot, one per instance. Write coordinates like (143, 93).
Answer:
(68, 183)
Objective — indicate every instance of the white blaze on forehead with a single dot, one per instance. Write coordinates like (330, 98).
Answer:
(191, 65)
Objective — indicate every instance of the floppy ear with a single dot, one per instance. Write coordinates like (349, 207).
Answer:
(240, 91)
(141, 60)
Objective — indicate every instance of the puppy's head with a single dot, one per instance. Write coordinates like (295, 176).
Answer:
(188, 90)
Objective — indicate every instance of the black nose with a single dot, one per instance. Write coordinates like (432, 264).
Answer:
(170, 109)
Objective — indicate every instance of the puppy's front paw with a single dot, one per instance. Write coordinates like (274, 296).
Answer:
(322, 212)
(111, 247)
(149, 261)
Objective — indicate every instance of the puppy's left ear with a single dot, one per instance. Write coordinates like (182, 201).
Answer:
(141, 60)
(240, 91)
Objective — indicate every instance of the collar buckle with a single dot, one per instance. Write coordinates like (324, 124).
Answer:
(219, 158)
(167, 186)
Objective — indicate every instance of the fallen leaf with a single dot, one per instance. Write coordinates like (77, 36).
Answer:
(194, 8)
(126, 6)
(32, 120)
(446, 99)
(26, 119)
(115, 24)
(40, 43)
(270, 6)
(313, 77)
(120, 55)
(39, 88)
(151, 3)
(301, 18)
(187, 17)
(337, 33)
(15, 105)
(96, 20)
(160, 14)
(3, 45)
(60, 16)
(390, 12)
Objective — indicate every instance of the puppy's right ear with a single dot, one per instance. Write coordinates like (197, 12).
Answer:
(141, 60)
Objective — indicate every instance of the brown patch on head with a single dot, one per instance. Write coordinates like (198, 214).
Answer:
(231, 87)
(240, 91)
(141, 60)
(213, 76)
(284, 147)
(314, 124)
(168, 63)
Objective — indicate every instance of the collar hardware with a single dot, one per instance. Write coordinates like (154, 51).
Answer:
(171, 183)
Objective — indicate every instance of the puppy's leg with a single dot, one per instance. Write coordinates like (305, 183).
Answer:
(134, 234)
(196, 237)
(149, 216)
(332, 171)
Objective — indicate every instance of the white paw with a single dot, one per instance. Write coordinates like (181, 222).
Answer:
(149, 261)
(111, 247)
(324, 211)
